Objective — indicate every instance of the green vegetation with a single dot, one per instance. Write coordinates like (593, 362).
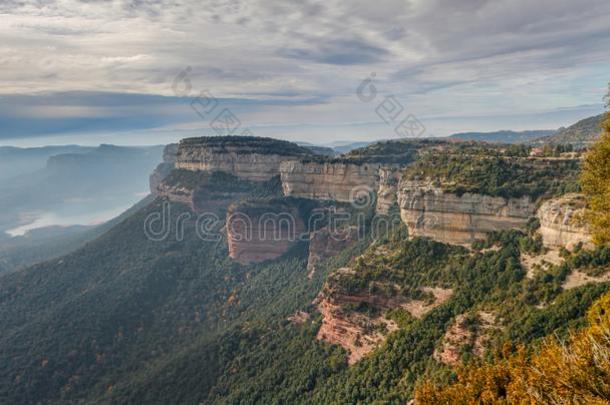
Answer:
(496, 172)
(128, 320)
(394, 151)
(573, 371)
(125, 305)
(580, 135)
(250, 144)
(596, 185)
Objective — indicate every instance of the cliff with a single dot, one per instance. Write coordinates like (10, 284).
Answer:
(249, 158)
(458, 219)
(359, 334)
(387, 199)
(468, 333)
(358, 322)
(324, 244)
(262, 230)
(202, 190)
(338, 181)
(164, 168)
(562, 222)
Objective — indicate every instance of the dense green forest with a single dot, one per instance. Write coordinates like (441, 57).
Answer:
(504, 173)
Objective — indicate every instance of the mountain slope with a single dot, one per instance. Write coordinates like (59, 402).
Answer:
(130, 319)
(502, 136)
(580, 134)
(40, 245)
(123, 302)
(78, 185)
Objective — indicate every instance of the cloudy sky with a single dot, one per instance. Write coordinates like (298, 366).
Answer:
(131, 71)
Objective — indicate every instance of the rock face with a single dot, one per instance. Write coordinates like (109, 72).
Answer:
(357, 333)
(387, 199)
(165, 168)
(255, 159)
(337, 181)
(467, 331)
(176, 193)
(324, 244)
(562, 222)
(203, 191)
(257, 232)
(430, 212)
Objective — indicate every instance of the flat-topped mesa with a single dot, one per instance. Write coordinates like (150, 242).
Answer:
(458, 219)
(562, 222)
(249, 158)
(332, 180)
(262, 230)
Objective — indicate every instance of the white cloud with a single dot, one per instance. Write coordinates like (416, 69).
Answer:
(441, 57)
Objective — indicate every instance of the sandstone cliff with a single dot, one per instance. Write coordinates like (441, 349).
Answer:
(204, 191)
(562, 222)
(387, 199)
(256, 159)
(338, 181)
(450, 218)
(358, 333)
(260, 231)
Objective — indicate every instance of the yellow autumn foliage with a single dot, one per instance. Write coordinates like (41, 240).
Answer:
(575, 371)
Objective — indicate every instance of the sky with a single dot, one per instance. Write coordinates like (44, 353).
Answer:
(150, 72)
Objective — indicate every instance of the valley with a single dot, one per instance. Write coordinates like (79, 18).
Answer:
(372, 269)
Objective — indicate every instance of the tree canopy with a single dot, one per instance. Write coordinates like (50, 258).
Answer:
(595, 181)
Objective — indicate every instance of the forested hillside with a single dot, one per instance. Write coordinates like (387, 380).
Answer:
(130, 319)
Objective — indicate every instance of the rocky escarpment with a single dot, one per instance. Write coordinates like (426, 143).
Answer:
(458, 219)
(205, 191)
(387, 199)
(468, 333)
(249, 158)
(326, 243)
(338, 181)
(358, 333)
(164, 168)
(562, 222)
(262, 230)
(358, 321)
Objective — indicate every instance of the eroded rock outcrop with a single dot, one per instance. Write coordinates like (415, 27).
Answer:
(387, 193)
(324, 244)
(338, 181)
(458, 219)
(562, 222)
(255, 159)
(469, 332)
(260, 231)
(203, 191)
(358, 333)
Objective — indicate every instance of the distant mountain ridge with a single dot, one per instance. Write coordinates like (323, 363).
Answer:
(16, 161)
(503, 136)
(580, 134)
